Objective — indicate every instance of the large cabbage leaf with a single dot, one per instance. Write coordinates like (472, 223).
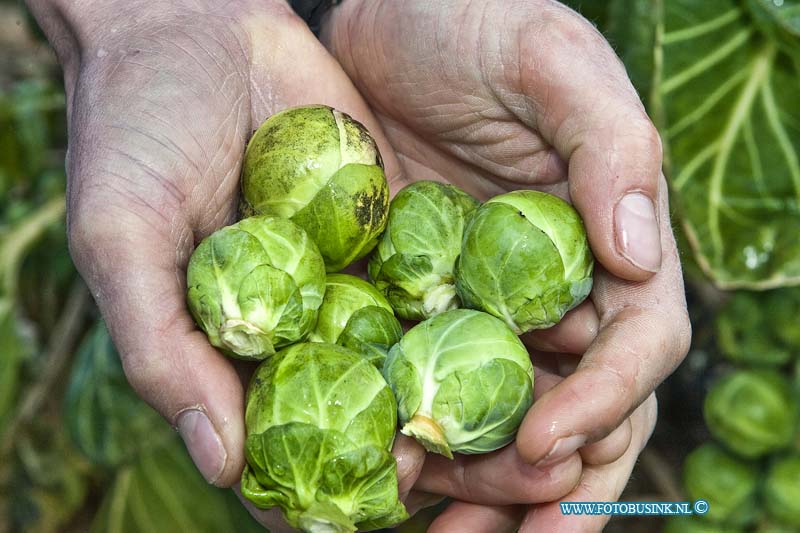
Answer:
(721, 79)
(729, 93)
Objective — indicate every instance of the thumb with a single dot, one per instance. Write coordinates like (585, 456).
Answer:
(131, 270)
(596, 122)
(410, 458)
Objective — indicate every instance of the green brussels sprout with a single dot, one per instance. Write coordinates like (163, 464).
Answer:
(256, 286)
(320, 168)
(413, 263)
(782, 490)
(745, 332)
(783, 306)
(355, 315)
(463, 382)
(752, 412)
(726, 482)
(525, 259)
(320, 423)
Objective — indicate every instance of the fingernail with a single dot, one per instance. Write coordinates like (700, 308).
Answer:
(564, 447)
(638, 237)
(203, 442)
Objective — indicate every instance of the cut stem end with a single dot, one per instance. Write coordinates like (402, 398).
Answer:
(429, 433)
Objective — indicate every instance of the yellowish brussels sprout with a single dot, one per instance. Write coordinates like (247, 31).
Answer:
(321, 169)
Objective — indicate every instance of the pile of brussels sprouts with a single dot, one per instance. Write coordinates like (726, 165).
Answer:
(750, 473)
(336, 372)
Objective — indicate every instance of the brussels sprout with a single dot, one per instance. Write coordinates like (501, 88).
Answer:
(463, 382)
(322, 169)
(726, 482)
(413, 264)
(751, 412)
(783, 306)
(782, 490)
(320, 423)
(355, 315)
(256, 286)
(745, 332)
(525, 259)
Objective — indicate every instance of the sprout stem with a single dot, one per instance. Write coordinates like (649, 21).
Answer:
(429, 433)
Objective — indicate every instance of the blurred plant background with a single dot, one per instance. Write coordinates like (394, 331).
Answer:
(721, 78)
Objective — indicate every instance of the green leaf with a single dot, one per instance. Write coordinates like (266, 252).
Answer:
(724, 95)
(323, 385)
(163, 491)
(104, 416)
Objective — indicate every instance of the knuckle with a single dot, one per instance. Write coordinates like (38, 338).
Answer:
(644, 142)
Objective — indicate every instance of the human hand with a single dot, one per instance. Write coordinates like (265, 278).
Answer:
(161, 99)
(495, 96)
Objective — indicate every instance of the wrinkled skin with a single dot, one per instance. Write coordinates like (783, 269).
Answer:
(493, 96)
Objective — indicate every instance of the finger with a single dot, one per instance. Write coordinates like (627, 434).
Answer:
(610, 448)
(600, 483)
(418, 500)
(474, 518)
(611, 380)
(573, 334)
(644, 334)
(604, 451)
(272, 519)
(583, 103)
(498, 478)
(410, 456)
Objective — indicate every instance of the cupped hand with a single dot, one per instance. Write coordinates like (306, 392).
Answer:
(161, 99)
(500, 95)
